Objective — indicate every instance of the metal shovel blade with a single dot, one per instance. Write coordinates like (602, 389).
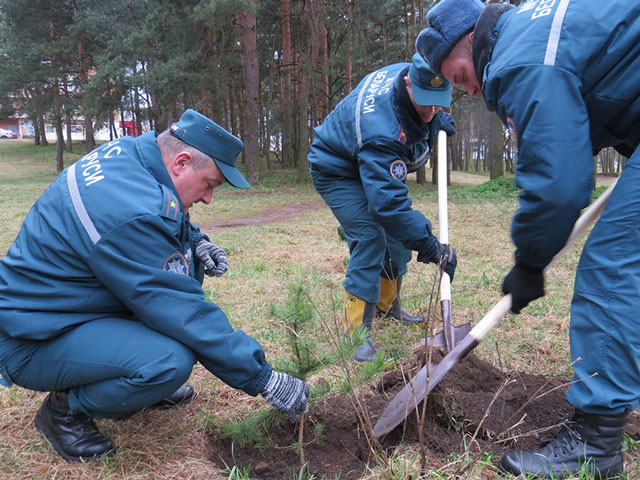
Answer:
(419, 386)
(451, 334)
(451, 337)
(415, 391)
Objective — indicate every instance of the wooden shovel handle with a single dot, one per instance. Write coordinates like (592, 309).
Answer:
(590, 215)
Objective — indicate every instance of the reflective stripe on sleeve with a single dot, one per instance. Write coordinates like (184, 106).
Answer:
(81, 211)
(554, 34)
(424, 154)
(360, 95)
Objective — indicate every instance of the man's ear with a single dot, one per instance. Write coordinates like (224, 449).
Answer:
(180, 162)
(471, 38)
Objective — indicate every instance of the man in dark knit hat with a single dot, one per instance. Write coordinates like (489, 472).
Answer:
(564, 76)
(360, 158)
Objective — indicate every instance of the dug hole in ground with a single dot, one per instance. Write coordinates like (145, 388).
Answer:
(476, 408)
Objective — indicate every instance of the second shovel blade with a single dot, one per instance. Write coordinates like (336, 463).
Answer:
(414, 392)
(457, 334)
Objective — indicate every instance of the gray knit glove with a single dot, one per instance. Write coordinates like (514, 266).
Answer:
(213, 257)
(286, 393)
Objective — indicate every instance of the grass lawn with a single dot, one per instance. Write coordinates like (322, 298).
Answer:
(265, 260)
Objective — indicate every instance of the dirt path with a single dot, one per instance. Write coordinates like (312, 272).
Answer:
(277, 214)
(293, 210)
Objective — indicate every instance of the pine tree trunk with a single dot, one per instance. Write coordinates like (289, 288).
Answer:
(250, 75)
(287, 124)
(36, 130)
(43, 131)
(266, 147)
(68, 144)
(59, 133)
(59, 146)
(407, 23)
(496, 148)
(90, 141)
(305, 81)
(325, 75)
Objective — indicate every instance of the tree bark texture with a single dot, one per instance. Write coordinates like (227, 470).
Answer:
(250, 75)
(286, 62)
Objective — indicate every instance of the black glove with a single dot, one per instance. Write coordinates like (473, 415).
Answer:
(214, 258)
(444, 256)
(286, 393)
(447, 259)
(446, 122)
(525, 284)
(441, 121)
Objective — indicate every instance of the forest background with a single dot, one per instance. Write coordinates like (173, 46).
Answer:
(269, 71)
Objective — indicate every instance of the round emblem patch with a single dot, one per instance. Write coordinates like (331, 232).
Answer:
(176, 263)
(436, 82)
(398, 170)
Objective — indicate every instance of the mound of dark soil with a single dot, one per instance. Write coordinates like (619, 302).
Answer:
(475, 404)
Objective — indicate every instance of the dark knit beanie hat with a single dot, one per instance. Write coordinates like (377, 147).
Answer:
(449, 21)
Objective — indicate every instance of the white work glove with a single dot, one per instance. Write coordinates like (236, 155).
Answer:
(288, 394)
(213, 258)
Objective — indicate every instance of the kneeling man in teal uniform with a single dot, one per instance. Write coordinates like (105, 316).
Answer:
(101, 301)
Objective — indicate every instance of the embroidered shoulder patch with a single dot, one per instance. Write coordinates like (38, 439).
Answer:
(176, 263)
(398, 170)
(402, 138)
(170, 207)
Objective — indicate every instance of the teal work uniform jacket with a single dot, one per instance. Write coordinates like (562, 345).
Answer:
(108, 238)
(375, 136)
(564, 75)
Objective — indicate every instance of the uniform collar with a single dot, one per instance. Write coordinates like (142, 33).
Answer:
(151, 159)
(415, 129)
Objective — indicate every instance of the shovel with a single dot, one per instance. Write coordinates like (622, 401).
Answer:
(414, 392)
(451, 334)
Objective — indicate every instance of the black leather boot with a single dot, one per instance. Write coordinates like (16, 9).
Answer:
(181, 396)
(74, 435)
(588, 441)
(399, 314)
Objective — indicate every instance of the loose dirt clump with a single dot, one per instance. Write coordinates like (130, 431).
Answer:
(475, 408)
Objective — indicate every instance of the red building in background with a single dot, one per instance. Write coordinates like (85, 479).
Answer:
(130, 127)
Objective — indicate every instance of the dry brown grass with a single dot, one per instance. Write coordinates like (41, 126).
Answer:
(264, 259)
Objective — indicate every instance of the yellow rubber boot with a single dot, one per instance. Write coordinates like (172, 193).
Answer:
(358, 312)
(389, 303)
(388, 293)
(353, 312)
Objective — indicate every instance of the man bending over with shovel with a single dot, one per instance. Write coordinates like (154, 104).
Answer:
(360, 158)
(564, 76)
